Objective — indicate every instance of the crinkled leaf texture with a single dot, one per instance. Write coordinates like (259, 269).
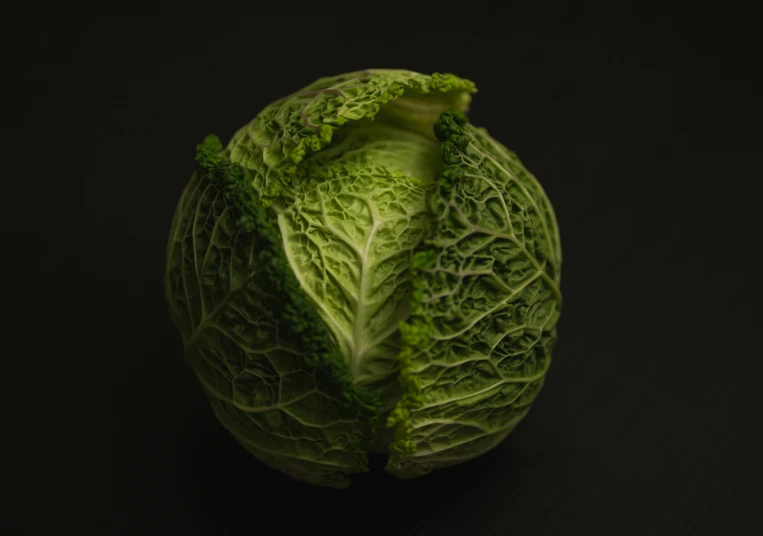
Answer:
(369, 287)
(258, 347)
(486, 302)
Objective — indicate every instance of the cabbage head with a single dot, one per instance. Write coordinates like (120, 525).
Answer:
(362, 270)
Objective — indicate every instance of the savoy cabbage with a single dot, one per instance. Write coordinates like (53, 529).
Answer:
(360, 269)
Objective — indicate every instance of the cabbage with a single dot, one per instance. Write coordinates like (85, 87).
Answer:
(360, 269)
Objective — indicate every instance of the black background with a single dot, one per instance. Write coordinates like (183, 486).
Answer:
(642, 127)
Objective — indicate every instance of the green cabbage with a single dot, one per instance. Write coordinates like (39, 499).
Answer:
(361, 269)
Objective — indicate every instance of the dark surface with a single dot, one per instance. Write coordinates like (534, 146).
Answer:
(645, 138)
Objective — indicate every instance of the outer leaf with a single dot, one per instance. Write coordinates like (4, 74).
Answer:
(486, 302)
(258, 346)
